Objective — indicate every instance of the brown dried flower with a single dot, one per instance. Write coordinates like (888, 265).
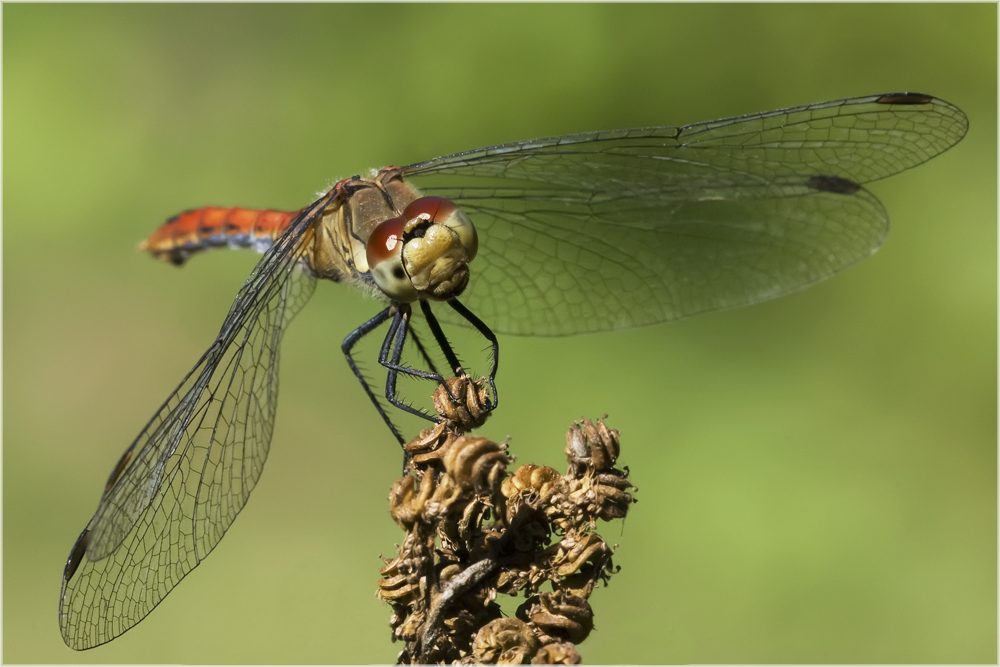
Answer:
(590, 446)
(474, 531)
(505, 641)
(562, 653)
(559, 615)
(470, 410)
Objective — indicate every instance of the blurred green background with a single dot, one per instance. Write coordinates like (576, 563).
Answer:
(818, 473)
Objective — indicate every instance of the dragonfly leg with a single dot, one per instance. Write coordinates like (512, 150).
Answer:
(449, 352)
(349, 343)
(442, 341)
(445, 346)
(423, 351)
(488, 334)
(394, 340)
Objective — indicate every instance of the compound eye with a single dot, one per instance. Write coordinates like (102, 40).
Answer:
(385, 261)
(444, 212)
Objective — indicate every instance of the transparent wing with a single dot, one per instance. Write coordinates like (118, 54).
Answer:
(610, 230)
(180, 485)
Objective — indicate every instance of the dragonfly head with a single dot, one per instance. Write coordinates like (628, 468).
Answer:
(425, 253)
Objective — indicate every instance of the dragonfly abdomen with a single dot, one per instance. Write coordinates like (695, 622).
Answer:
(214, 227)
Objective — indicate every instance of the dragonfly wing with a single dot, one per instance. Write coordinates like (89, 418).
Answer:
(180, 485)
(611, 230)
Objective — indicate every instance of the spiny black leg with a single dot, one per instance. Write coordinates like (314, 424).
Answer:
(488, 335)
(399, 327)
(348, 345)
(445, 346)
(395, 339)
(390, 335)
(397, 330)
(442, 340)
(423, 351)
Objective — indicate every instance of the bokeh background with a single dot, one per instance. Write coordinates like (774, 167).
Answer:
(817, 473)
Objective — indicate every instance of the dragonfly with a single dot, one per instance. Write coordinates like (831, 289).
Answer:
(548, 237)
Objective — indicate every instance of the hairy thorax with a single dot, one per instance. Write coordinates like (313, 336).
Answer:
(340, 237)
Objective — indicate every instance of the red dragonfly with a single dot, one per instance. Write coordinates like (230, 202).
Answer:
(571, 234)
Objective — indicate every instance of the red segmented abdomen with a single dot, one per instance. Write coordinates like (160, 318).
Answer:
(213, 227)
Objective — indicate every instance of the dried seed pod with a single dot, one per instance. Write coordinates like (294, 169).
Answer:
(527, 575)
(559, 614)
(610, 494)
(468, 529)
(577, 452)
(460, 627)
(505, 641)
(406, 503)
(590, 447)
(535, 486)
(476, 463)
(560, 653)
(530, 478)
(576, 549)
(471, 408)
(582, 583)
(404, 578)
(400, 582)
(512, 580)
(410, 629)
(455, 560)
(398, 590)
(604, 445)
(447, 494)
(399, 614)
(430, 439)
(466, 616)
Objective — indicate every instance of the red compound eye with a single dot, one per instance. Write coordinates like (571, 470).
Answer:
(385, 241)
(435, 209)
(385, 261)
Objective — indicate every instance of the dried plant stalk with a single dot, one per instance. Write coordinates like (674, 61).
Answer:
(473, 531)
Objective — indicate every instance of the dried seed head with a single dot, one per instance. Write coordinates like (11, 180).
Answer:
(577, 549)
(559, 615)
(534, 486)
(561, 653)
(590, 447)
(406, 503)
(471, 408)
(530, 479)
(476, 463)
(400, 582)
(430, 439)
(472, 533)
(398, 589)
(611, 497)
(505, 641)
(410, 629)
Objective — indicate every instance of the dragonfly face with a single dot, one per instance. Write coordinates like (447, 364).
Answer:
(424, 253)
(570, 234)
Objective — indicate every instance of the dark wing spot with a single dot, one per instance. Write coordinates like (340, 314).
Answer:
(398, 273)
(904, 98)
(76, 554)
(835, 184)
(231, 227)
